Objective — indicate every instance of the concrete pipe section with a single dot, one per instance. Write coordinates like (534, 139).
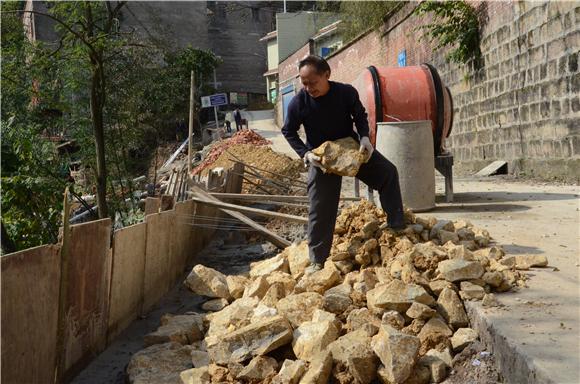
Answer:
(409, 145)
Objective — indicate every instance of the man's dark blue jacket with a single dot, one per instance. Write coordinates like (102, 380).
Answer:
(328, 117)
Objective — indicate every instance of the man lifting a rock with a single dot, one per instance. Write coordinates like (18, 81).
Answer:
(327, 110)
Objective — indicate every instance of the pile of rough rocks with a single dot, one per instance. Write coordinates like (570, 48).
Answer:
(387, 307)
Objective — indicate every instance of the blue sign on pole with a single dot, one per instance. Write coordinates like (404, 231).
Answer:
(218, 99)
(402, 58)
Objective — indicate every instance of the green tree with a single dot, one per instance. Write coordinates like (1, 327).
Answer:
(32, 181)
(47, 90)
(456, 25)
(360, 16)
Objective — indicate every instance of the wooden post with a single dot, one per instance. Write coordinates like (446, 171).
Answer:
(191, 114)
(63, 299)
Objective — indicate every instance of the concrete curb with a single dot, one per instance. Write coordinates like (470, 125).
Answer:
(514, 365)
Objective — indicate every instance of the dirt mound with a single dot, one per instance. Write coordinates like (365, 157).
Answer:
(241, 137)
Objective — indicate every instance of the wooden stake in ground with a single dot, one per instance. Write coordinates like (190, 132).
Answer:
(191, 114)
(62, 300)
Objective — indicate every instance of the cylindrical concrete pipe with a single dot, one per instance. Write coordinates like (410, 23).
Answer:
(409, 145)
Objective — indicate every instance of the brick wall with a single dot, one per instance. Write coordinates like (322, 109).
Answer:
(522, 106)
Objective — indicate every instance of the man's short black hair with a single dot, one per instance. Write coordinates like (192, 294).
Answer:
(317, 62)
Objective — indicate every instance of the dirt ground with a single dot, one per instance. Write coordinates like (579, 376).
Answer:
(474, 365)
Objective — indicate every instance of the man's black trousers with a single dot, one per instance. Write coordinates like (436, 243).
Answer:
(324, 194)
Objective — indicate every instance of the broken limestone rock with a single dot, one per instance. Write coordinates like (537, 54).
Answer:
(207, 282)
(262, 312)
(260, 369)
(397, 351)
(470, 291)
(434, 334)
(394, 319)
(319, 315)
(451, 308)
(232, 317)
(236, 285)
(199, 359)
(438, 285)
(447, 236)
(195, 376)
(298, 259)
(214, 305)
(462, 337)
(299, 308)
(287, 281)
(489, 300)
(414, 328)
(354, 352)
(494, 253)
(222, 374)
(255, 339)
(274, 294)
(311, 338)
(291, 372)
(182, 329)
(265, 267)
(319, 370)
(419, 375)
(359, 318)
(420, 311)
(493, 278)
(397, 296)
(460, 252)
(341, 157)
(159, 363)
(337, 299)
(444, 354)
(257, 288)
(437, 367)
(319, 281)
(525, 262)
(459, 269)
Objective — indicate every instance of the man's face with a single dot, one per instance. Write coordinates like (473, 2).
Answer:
(314, 83)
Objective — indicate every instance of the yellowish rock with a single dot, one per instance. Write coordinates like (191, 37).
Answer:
(319, 369)
(298, 308)
(182, 329)
(341, 157)
(236, 285)
(266, 267)
(208, 282)
(312, 337)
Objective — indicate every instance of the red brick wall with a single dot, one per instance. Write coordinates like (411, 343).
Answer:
(288, 69)
(521, 106)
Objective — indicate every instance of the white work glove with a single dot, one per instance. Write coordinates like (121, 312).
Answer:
(311, 158)
(365, 145)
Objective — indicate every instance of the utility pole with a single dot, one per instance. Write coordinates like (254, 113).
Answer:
(215, 108)
(189, 137)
